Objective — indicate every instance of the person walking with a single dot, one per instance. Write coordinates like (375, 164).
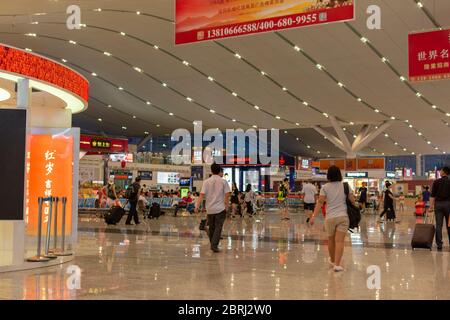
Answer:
(388, 202)
(249, 199)
(337, 221)
(216, 192)
(309, 192)
(283, 192)
(234, 200)
(440, 202)
(363, 197)
(133, 197)
(426, 195)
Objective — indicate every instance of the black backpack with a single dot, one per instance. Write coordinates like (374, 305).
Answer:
(131, 192)
(354, 214)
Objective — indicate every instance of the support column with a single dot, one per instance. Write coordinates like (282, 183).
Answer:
(23, 93)
(419, 171)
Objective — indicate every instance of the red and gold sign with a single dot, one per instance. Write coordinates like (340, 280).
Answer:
(325, 164)
(49, 173)
(429, 55)
(200, 20)
(39, 68)
(370, 163)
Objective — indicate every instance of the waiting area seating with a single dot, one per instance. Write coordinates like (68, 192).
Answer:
(89, 204)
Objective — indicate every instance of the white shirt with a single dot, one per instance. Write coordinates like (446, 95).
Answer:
(310, 192)
(214, 189)
(336, 199)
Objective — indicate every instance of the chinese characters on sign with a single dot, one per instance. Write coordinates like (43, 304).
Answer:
(429, 55)
(49, 174)
(200, 20)
(49, 157)
(100, 144)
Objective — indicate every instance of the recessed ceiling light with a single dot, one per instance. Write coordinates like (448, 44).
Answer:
(345, 129)
(256, 107)
(364, 39)
(354, 136)
(325, 114)
(359, 99)
(4, 95)
(404, 149)
(28, 49)
(263, 73)
(212, 111)
(156, 47)
(164, 84)
(210, 78)
(297, 139)
(419, 133)
(309, 147)
(297, 124)
(419, 4)
(138, 12)
(99, 119)
(392, 118)
(134, 117)
(376, 110)
(138, 69)
(255, 126)
(237, 55)
(340, 84)
(234, 120)
(189, 99)
(148, 103)
(72, 42)
(146, 132)
(30, 34)
(319, 66)
(123, 34)
(124, 128)
(396, 143)
(278, 117)
(305, 103)
(158, 125)
(234, 94)
(410, 126)
(318, 151)
(284, 89)
(98, 10)
(402, 78)
(170, 114)
(384, 59)
(418, 94)
(120, 88)
(93, 74)
(186, 63)
(64, 60)
(109, 106)
(428, 142)
(436, 148)
(297, 48)
(386, 135)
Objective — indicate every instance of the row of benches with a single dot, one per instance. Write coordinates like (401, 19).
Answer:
(167, 203)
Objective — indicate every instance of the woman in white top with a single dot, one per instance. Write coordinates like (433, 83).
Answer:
(337, 222)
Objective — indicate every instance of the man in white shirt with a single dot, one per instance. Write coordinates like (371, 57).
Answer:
(216, 192)
(310, 191)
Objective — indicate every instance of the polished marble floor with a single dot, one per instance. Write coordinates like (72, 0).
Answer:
(262, 258)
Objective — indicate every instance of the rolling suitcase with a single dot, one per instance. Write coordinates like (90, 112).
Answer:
(423, 235)
(114, 215)
(155, 211)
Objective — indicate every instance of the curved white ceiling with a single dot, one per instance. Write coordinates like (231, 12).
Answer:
(151, 85)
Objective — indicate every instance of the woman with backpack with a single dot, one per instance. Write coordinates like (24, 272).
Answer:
(337, 220)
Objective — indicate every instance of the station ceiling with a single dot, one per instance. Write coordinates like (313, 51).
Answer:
(142, 83)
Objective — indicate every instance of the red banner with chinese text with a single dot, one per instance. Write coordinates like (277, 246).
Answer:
(429, 57)
(49, 173)
(201, 20)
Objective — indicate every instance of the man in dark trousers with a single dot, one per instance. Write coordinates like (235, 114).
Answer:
(133, 202)
(440, 201)
(216, 192)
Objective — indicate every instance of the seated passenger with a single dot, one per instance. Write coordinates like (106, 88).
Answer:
(184, 203)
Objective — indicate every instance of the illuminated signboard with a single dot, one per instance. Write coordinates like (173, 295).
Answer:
(356, 175)
(390, 175)
(100, 144)
(200, 20)
(168, 178)
(49, 173)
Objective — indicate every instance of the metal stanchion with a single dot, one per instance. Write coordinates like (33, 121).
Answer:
(48, 254)
(38, 257)
(55, 229)
(63, 251)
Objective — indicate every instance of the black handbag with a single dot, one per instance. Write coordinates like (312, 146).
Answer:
(354, 214)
